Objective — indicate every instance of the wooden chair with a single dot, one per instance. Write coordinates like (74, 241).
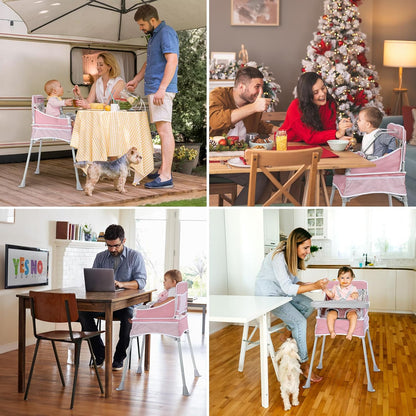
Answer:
(59, 308)
(295, 161)
(222, 187)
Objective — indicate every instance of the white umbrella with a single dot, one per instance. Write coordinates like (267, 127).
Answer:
(104, 19)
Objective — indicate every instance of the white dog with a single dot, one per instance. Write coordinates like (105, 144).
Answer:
(287, 360)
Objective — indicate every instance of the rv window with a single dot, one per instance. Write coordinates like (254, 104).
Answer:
(84, 64)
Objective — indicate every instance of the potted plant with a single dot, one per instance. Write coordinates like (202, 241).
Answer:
(86, 228)
(184, 159)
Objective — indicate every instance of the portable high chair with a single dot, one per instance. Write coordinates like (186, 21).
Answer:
(170, 319)
(387, 177)
(46, 127)
(341, 325)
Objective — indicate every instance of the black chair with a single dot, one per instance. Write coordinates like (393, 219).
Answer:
(59, 308)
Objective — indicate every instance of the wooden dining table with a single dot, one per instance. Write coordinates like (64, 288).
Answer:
(98, 135)
(346, 160)
(106, 302)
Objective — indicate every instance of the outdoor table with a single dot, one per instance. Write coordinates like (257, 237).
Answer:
(106, 302)
(346, 160)
(242, 310)
(99, 134)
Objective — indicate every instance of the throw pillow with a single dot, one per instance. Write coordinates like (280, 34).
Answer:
(408, 121)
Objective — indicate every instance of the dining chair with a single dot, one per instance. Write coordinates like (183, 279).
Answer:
(59, 308)
(362, 328)
(224, 188)
(170, 319)
(46, 127)
(269, 161)
(387, 177)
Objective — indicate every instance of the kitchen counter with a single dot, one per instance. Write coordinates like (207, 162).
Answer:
(381, 267)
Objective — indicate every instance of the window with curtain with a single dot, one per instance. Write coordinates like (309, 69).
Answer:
(174, 239)
(84, 64)
(383, 232)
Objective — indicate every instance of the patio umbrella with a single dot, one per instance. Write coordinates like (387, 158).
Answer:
(106, 19)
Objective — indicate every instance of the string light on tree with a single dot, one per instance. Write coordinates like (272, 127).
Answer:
(338, 53)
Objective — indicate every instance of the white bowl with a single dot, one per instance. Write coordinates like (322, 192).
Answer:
(337, 145)
(267, 146)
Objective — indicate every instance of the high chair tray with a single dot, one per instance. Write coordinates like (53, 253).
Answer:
(347, 304)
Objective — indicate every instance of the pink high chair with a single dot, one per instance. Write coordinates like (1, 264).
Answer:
(169, 319)
(387, 177)
(46, 127)
(341, 325)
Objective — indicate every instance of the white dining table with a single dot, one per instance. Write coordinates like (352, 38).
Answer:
(242, 310)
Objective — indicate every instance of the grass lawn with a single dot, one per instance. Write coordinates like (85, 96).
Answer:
(197, 202)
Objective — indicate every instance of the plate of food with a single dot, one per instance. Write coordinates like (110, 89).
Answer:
(238, 162)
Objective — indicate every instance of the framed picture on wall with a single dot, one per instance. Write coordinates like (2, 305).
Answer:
(26, 266)
(255, 12)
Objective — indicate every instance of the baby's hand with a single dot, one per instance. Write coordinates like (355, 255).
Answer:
(354, 296)
(68, 101)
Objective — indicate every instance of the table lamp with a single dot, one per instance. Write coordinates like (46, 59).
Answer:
(400, 54)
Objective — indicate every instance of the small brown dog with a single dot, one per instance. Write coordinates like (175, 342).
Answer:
(116, 170)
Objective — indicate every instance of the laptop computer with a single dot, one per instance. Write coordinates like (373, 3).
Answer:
(99, 280)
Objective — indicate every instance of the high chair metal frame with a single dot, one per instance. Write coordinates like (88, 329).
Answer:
(169, 319)
(387, 177)
(46, 127)
(341, 326)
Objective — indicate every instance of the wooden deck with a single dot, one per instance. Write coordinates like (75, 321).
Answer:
(55, 186)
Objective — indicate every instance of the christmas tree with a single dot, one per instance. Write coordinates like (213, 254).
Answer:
(338, 53)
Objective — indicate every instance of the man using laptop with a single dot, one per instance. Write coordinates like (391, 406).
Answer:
(129, 273)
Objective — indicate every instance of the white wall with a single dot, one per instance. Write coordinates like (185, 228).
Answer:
(235, 252)
(245, 248)
(35, 227)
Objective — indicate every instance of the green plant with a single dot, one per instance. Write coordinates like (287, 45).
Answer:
(189, 106)
(183, 153)
(87, 228)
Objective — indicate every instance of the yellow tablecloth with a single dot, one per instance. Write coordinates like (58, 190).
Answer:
(101, 134)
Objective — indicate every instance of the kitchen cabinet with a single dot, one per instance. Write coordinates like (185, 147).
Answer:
(381, 288)
(405, 284)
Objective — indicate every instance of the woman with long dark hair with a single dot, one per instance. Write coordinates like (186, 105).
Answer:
(278, 277)
(311, 117)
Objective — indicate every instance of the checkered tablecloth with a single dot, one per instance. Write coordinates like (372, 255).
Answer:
(101, 134)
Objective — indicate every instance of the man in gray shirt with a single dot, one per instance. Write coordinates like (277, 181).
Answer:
(129, 273)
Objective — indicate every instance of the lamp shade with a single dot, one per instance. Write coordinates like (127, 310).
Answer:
(400, 53)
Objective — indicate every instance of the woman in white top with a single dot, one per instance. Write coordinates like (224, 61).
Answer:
(108, 85)
(278, 277)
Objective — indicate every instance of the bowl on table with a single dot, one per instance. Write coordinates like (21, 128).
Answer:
(259, 143)
(338, 145)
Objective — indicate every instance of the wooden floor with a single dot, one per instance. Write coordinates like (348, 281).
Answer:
(157, 392)
(343, 391)
(55, 186)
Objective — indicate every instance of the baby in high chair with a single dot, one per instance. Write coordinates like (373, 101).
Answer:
(170, 280)
(55, 91)
(343, 290)
(376, 142)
